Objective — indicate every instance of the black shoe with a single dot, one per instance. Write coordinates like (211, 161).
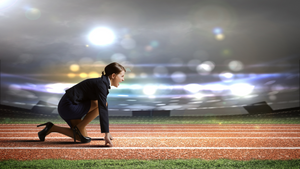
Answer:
(82, 138)
(42, 134)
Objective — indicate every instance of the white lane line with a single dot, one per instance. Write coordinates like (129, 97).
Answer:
(179, 125)
(175, 132)
(159, 129)
(154, 148)
(18, 138)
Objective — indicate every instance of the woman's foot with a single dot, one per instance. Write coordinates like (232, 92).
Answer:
(82, 138)
(42, 134)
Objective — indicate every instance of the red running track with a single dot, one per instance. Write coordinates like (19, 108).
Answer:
(182, 141)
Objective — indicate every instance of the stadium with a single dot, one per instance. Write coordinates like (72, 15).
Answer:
(208, 84)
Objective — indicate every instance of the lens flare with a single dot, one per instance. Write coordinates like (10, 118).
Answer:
(193, 88)
(149, 90)
(131, 75)
(205, 67)
(217, 31)
(102, 36)
(83, 75)
(74, 67)
(33, 14)
(4, 4)
(220, 37)
(178, 77)
(71, 75)
(236, 65)
(226, 76)
(93, 75)
(241, 89)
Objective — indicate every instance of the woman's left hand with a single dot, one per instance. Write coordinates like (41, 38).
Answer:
(107, 139)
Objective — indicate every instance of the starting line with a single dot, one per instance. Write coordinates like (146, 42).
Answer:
(153, 148)
(176, 132)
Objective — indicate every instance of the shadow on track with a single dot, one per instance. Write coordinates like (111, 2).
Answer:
(25, 141)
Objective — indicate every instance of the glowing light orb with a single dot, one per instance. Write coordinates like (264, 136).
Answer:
(102, 36)
(93, 75)
(226, 76)
(217, 31)
(4, 4)
(71, 75)
(33, 14)
(83, 75)
(193, 88)
(220, 37)
(149, 90)
(74, 67)
(241, 89)
(205, 67)
(178, 77)
(131, 75)
(236, 65)
(56, 87)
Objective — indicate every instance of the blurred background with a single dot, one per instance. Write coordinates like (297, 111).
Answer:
(191, 57)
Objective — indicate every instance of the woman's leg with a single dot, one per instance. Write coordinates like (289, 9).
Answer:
(62, 130)
(66, 130)
(91, 115)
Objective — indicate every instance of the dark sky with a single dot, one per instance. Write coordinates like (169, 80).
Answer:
(40, 39)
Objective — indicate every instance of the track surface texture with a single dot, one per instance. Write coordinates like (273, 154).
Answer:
(135, 141)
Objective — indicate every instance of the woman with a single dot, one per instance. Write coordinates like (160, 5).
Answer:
(83, 102)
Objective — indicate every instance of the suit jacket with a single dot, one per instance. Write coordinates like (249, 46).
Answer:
(93, 89)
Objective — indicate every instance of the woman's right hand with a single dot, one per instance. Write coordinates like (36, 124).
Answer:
(107, 139)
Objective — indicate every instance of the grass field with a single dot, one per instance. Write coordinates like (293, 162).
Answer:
(144, 164)
(169, 120)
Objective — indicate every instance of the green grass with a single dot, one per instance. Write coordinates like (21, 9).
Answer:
(144, 164)
(168, 120)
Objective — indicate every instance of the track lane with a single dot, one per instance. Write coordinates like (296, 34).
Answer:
(160, 142)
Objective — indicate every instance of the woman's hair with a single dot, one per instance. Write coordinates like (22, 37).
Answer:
(113, 68)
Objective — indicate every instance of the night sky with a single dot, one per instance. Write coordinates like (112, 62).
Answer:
(166, 46)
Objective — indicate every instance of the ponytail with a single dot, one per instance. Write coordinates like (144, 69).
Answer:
(113, 68)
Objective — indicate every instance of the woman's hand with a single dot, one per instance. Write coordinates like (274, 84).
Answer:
(107, 139)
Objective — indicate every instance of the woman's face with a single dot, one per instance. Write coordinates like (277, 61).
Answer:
(116, 79)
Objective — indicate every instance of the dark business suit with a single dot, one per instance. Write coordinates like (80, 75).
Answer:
(93, 89)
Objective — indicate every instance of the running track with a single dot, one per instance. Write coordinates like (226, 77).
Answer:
(207, 141)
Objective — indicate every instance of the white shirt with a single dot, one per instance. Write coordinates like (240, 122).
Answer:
(109, 82)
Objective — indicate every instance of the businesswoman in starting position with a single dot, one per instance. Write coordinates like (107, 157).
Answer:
(83, 102)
